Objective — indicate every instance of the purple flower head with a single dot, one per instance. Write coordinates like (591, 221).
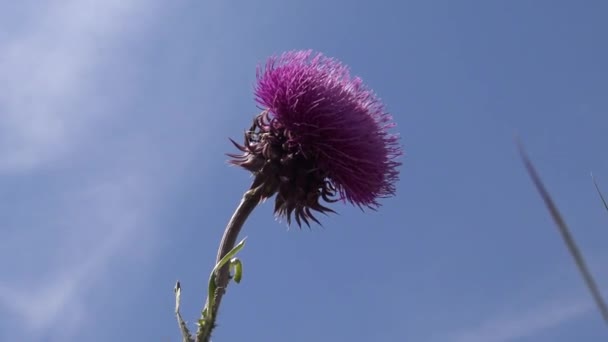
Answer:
(322, 135)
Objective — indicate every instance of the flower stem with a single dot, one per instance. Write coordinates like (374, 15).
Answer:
(250, 200)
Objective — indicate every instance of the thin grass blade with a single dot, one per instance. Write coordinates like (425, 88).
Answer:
(566, 235)
(597, 187)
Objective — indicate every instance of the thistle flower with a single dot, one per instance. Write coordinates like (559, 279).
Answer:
(322, 135)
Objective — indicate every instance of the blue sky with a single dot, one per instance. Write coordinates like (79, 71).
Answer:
(115, 117)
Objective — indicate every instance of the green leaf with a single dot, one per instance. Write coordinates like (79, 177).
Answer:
(237, 265)
(212, 285)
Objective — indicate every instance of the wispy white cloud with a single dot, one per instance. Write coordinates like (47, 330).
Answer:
(547, 303)
(48, 70)
(101, 221)
(525, 323)
(45, 68)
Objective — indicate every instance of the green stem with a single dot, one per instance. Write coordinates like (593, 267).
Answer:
(250, 200)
